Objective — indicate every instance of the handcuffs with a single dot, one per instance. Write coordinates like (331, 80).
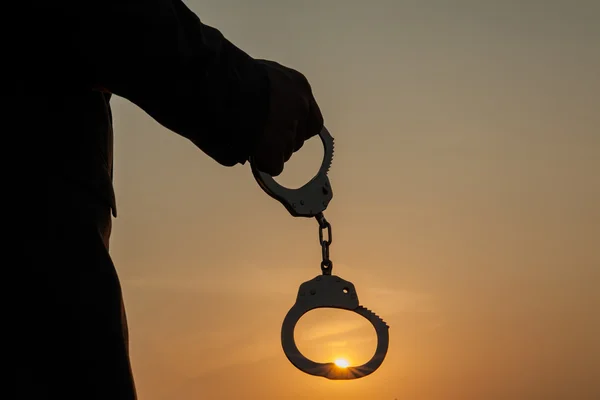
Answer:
(326, 290)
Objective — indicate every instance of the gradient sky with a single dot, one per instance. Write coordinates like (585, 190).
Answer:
(466, 210)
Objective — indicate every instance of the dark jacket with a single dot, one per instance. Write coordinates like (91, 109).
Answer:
(68, 57)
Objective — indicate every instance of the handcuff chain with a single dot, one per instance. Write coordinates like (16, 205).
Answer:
(324, 225)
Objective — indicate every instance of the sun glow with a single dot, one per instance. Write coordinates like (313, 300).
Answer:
(342, 363)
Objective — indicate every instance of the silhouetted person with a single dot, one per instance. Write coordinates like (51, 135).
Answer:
(65, 60)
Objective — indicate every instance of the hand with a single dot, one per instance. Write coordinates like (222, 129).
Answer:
(293, 118)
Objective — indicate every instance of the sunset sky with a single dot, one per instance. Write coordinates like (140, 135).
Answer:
(466, 210)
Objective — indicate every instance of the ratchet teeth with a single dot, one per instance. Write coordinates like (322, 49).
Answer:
(331, 156)
(363, 310)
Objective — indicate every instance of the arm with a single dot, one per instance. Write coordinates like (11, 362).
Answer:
(158, 55)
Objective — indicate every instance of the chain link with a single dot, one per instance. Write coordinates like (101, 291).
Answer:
(326, 263)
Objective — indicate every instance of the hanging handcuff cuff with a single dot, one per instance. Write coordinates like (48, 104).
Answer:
(325, 290)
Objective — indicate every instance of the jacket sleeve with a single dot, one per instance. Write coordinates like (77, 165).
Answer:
(161, 57)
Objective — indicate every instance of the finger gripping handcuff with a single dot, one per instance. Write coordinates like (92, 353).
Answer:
(326, 290)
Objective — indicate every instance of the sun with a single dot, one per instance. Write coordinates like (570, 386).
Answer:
(342, 363)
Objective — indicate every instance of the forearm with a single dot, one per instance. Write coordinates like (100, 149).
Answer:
(158, 55)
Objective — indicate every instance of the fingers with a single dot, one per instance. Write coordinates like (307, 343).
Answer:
(299, 136)
(269, 163)
(301, 127)
(269, 158)
(314, 123)
(277, 150)
(290, 143)
(309, 126)
(294, 117)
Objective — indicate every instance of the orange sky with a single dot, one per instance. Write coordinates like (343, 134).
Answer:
(465, 210)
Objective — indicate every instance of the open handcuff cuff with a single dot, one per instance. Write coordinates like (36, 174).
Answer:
(326, 290)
